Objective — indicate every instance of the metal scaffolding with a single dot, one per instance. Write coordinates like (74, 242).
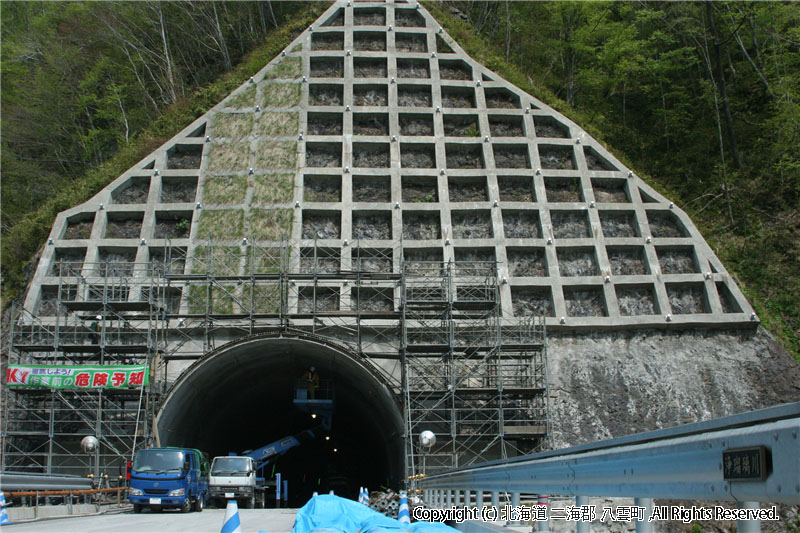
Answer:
(347, 295)
(436, 328)
(101, 314)
(478, 384)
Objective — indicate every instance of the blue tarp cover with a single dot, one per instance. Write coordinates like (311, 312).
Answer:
(327, 513)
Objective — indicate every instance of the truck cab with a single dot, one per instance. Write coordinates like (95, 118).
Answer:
(234, 478)
(163, 478)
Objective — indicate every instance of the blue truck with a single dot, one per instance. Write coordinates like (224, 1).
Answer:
(163, 478)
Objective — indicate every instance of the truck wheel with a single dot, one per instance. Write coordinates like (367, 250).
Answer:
(198, 504)
(137, 507)
(187, 504)
(248, 503)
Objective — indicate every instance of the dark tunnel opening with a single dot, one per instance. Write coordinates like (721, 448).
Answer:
(241, 397)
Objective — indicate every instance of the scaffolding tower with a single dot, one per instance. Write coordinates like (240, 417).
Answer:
(478, 384)
(432, 331)
(101, 314)
(225, 292)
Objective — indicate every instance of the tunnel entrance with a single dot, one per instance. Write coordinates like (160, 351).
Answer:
(240, 397)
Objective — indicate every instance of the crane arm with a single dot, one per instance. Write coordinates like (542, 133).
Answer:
(265, 454)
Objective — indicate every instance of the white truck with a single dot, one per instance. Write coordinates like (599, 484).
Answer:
(234, 478)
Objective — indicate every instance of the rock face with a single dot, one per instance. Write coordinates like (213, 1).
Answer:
(606, 385)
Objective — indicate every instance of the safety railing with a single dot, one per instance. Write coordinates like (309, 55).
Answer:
(749, 459)
(71, 502)
(309, 390)
(116, 492)
(33, 496)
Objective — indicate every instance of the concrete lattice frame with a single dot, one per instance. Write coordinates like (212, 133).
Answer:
(634, 251)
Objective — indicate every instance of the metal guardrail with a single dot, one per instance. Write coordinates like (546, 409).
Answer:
(35, 504)
(73, 493)
(748, 458)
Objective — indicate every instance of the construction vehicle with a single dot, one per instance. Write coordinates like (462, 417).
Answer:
(235, 476)
(164, 478)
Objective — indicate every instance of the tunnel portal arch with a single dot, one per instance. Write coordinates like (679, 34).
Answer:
(240, 397)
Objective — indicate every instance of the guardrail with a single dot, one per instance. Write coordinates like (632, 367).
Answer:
(69, 493)
(35, 495)
(748, 458)
(39, 503)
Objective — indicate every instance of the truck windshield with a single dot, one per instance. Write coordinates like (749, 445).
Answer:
(158, 461)
(230, 466)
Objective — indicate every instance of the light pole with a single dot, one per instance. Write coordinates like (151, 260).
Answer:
(90, 445)
(426, 441)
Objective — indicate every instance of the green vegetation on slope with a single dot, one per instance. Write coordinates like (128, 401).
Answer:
(66, 134)
(700, 98)
(703, 99)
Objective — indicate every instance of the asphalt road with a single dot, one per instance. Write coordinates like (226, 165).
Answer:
(210, 521)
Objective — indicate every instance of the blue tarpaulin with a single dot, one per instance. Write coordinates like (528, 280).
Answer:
(327, 513)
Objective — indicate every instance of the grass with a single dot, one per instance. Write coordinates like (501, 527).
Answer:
(233, 125)
(219, 260)
(270, 224)
(276, 155)
(228, 299)
(225, 190)
(266, 298)
(224, 157)
(273, 189)
(289, 67)
(264, 260)
(244, 98)
(275, 124)
(221, 301)
(21, 242)
(221, 224)
(280, 94)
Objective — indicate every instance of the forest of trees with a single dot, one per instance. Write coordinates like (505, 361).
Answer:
(90, 88)
(80, 79)
(701, 98)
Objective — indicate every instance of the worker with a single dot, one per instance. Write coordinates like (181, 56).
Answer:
(311, 379)
(94, 329)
